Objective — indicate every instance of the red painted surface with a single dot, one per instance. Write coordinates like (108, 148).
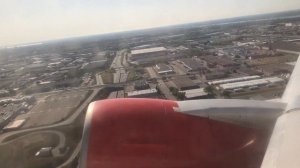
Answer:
(143, 133)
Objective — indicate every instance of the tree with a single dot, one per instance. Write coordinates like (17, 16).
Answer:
(209, 90)
(172, 89)
(176, 93)
(226, 94)
(180, 95)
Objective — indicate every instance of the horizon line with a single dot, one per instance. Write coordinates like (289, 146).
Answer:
(20, 45)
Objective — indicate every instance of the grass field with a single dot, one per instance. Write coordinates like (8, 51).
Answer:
(107, 77)
(20, 153)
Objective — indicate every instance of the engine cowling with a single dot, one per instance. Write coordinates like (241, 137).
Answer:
(151, 133)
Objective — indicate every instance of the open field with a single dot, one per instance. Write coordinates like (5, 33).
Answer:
(107, 77)
(54, 108)
(273, 60)
(20, 152)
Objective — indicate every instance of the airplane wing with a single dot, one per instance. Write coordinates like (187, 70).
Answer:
(284, 149)
(152, 133)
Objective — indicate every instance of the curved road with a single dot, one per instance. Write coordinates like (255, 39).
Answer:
(68, 121)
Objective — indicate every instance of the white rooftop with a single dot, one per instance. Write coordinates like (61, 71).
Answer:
(194, 93)
(217, 82)
(250, 83)
(148, 50)
(141, 92)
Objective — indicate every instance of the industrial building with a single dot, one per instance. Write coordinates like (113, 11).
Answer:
(195, 94)
(221, 62)
(215, 75)
(148, 93)
(143, 46)
(148, 55)
(141, 85)
(184, 83)
(252, 83)
(4, 93)
(248, 71)
(192, 64)
(163, 69)
(245, 78)
(148, 52)
(35, 68)
(10, 108)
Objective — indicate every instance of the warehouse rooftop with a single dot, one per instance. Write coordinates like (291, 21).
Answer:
(148, 50)
(184, 83)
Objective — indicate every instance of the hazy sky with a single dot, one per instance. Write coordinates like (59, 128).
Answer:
(23, 21)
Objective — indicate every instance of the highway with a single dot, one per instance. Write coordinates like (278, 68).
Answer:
(120, 74)
(99, 80)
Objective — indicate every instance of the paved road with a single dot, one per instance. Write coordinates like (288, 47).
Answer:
(161, 84)
(99, 80)
(120, 75)
(70, 120)
(125, 58)
(75, 154)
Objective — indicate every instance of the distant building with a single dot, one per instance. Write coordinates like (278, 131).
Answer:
(192, 64)
(55, 64)
(148, 93)
(141, 85)
(141, 53)
(143, 46)
(35, 68)
(163, 69)
(222, 62)
(248, 71)
(72, 70)
(44, 152)
(215, 75)
(195, 94)
(252, 83)
(4, 93)
(148, 52)
(147, 55)
(288, 24)
(94, 64)
(232, 80)
(184, 83)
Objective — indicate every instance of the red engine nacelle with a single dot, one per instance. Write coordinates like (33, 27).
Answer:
(149, 133)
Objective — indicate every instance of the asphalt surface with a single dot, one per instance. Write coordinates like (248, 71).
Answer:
(120, 74)
(99, 80)
(161, 84)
